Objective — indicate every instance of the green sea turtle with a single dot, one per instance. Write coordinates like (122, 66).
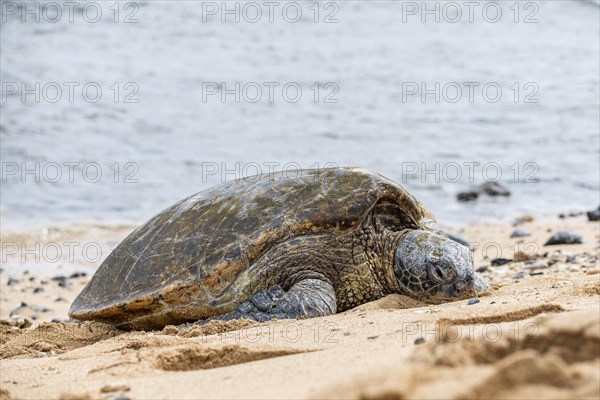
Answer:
(293, 244)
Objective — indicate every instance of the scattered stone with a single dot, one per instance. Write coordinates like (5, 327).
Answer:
(372, 337)
(570, 259)
(420, 340)
(481, 269)
(533, 273)
(57, 320)
(44, 282)
(472, 301)
(556, 257)
(38, 289)
(12, 282)
(490, 188)
(519, 233)
(496, 262)
(458, 239)
(494, 189)
(40, 309)
(467, 196)
(593, 272)
(78, 275)
(61, 300)
(536, 264)
(594, 215)
(519, 275)
(523, 219)
(564, 237)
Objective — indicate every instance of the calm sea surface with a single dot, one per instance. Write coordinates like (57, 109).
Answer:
(132, 117)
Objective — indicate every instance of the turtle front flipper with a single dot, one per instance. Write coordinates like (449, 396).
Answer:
(306, 299)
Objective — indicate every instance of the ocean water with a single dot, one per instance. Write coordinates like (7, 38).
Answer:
(437, 106)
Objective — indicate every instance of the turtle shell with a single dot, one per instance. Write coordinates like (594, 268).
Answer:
(174, 267)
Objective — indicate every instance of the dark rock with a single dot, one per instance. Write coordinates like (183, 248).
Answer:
(59, 278)
(458, 239)
(519, 233)
(467, 196)
(78, 275)
(571, 259)
(420, 340)
(56, 320)
(472, 301)
(31, 278)
(532, 273)
(12, 282)
(372, 337)
(44, 282)
(38, 290)
(494, 189)
(61, 300)
(496, 262)
(481, 269)
(594, 215)
(564, 237)
(490, 188)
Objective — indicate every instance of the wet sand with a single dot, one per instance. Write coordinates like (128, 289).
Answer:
(534, 334)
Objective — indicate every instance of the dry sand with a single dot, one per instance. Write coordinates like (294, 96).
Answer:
(535, 334)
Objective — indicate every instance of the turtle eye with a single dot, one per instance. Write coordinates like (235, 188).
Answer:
(437, 272)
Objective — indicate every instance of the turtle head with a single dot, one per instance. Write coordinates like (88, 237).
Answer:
(431, 265)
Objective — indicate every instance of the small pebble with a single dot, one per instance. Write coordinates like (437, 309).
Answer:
(12, 281)
(564, 237)
(519, 233)
(496, 262)
(78, 275)
(40, 309)
(532, 273)
(61, 300)
(372, 337)
(481, 269)
(420, 340)
(519, 275)
(56, 320)
(594, 215)
(38, 290)
(472, 301)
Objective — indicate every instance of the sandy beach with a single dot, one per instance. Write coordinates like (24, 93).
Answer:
(534, 334)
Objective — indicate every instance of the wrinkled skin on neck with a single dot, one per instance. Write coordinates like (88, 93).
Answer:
(429, 265)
